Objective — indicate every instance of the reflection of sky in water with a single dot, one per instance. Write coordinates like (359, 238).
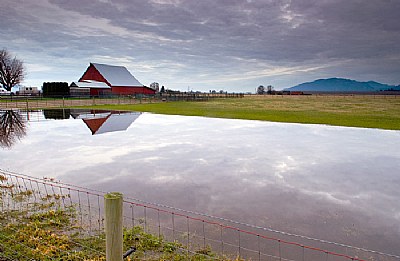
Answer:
(336, 183)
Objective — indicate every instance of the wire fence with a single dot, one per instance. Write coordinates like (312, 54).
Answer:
(61, 102)
(33, 102)
(79, 229)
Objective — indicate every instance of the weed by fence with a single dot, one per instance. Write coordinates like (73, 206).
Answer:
(44, 219)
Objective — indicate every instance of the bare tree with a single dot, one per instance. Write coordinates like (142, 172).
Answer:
(11, 70)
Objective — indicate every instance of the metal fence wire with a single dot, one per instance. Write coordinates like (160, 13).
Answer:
(32, 102)
(43, 219)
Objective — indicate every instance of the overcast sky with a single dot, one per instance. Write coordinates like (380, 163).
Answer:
(234, 45)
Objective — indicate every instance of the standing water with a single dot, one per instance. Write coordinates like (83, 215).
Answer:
(336, 183)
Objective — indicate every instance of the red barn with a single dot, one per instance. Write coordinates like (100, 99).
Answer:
(103, 79)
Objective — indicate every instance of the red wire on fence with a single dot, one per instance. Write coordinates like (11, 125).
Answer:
(247, 232)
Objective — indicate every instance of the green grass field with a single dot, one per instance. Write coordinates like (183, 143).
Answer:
(352, 110)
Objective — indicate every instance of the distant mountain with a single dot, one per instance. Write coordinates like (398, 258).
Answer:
(342, 85)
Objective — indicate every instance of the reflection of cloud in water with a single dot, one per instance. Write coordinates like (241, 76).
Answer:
(311, 179)
(326, 195)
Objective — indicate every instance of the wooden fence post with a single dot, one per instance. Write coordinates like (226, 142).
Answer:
(113, 226)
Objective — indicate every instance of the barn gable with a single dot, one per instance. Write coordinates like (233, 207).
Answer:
(92, 74)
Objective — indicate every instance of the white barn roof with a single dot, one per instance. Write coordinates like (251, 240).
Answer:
(117, 75)
(90, 84)
(117, 122)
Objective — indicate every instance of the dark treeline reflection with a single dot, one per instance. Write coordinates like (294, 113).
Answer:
(12, 128)
(57, 114)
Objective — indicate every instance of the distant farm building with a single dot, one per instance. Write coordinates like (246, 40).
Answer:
(155, 86)
(103, 79)
(23, 90)
(87, 88)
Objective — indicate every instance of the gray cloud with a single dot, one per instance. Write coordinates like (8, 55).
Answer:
(208, 44)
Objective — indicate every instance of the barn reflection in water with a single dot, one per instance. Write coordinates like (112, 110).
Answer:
(98, 121)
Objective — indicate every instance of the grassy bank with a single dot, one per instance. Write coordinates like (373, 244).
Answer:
(353, 111)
